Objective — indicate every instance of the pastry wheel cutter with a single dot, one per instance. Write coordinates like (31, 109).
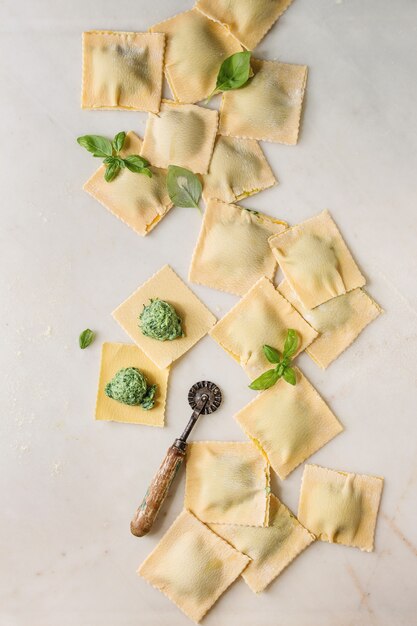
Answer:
(204, 397)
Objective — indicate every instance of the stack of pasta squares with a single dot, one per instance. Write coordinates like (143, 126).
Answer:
(232, 524)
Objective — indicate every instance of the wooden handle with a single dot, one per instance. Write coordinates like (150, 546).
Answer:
(157, 491)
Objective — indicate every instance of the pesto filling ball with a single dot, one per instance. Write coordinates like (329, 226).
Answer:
(129, 386)
(159, 320)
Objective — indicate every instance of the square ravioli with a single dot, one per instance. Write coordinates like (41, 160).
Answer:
(289, 423)
(248, 20)
(122, 70)
(339, 321)
(316, 261)
(339, 507)
(115, 356)
(227, 483)
(196, 319)
(232, 250)
(139, 201)
(261, 317)
(181, 134)
(271, 549)
(269, 106)
(195, 49)
(192, 566)
(238, 169)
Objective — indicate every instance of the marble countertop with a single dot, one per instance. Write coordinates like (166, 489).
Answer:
(70, 484)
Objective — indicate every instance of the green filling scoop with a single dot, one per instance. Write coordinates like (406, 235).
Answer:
(159, 320)
(129, 386)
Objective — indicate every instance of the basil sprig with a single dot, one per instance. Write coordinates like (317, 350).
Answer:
(282, 365)
(234, 72)
(109, 151)
(86, 337)
(184, 187)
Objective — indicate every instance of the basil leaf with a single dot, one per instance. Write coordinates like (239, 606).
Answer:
(98, 146)
(291, 344)
(86, 337)
(234, 72)
(137, 164)
(265, 380)
(289, 376)
(118, 141)
(184, 187)
(112, 170)
(271, 354)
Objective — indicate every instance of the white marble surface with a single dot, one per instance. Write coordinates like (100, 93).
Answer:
(70, 484)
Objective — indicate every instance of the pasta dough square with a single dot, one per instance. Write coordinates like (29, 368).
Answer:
(261, 317)
(195, 317)
(238, 169)
(195, 49)
(122, 70)
(269, 106)
(247, 20)
(115, 356)
(192, 566)
(232, 250)
(339, 507)
(227, 483)
(139, 201)
(339, 321)
(316, 261)
(289, 423)
(181, 134)
(271, 549)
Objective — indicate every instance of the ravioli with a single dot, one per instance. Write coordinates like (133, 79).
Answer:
(227, 483)
(115, 356)
(248, 20)
(261, 317)
(196, 319)
(289, 423)
(339, 321)
(269, 106)
(122, 70)
(181, 134)
(232, 250)
(316, 261)
(339, 507)
(238, 169)
(192, 566)
(271, 549)
(196, 47)
(137, 200)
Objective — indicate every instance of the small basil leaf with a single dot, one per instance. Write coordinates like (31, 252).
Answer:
(289, 376)
(135, 163)
(184, 187)
(265, 380)
(147, 172)
(291, 344)
(271, 354)
(280, 369)
(98, 146)
(111, 171)
(234, 72)
(86, 337)
(118, 141)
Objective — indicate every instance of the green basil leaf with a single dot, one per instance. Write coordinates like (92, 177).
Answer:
(289, 376)
(291, 344)
(118, 141)
(86, 337)
(234, 72)
(98, 146)
(271, 354)
(265, 380)
(147, 172)
(137, 164)
(112, 170)
(184, 187)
